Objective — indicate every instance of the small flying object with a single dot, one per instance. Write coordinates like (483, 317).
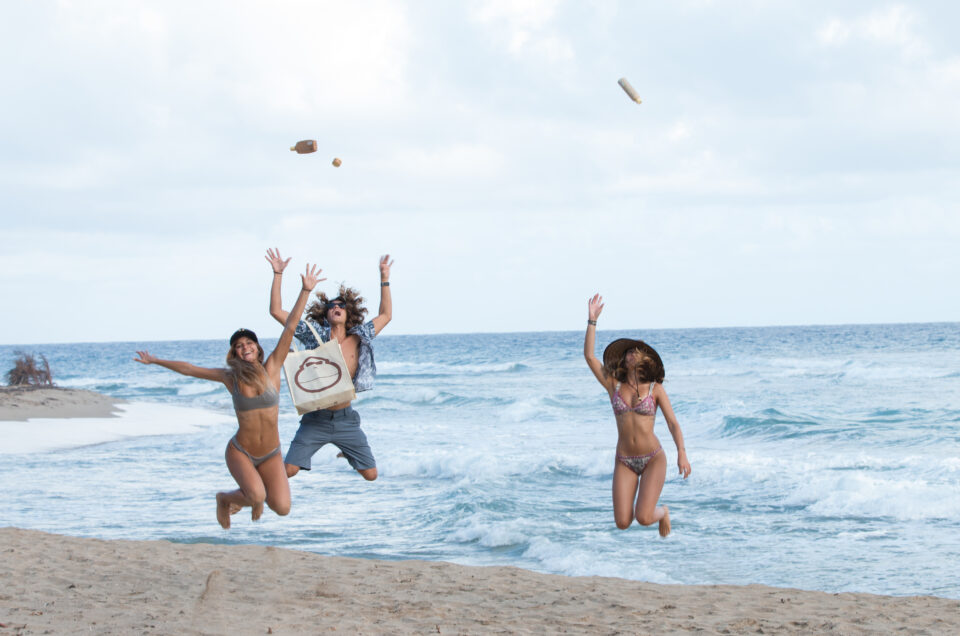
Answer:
(336, 162)
(305, 147)
(625, 85)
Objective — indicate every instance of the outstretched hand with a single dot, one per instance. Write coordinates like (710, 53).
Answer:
(276, 261)
(684, 465)
(385, 264)
(595, 306)
(311, 277)
(145, 357)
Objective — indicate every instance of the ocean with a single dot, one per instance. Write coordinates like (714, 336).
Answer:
(824, 457)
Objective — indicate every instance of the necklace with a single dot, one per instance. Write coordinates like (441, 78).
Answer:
(636, 389)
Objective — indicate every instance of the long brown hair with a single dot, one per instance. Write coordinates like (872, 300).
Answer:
(253, 375)
(317, 312)
(649, 368)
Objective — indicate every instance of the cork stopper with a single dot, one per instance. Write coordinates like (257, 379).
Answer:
(305, 147)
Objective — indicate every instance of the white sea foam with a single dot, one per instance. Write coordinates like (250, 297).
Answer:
(492, 534)
(599, 560)
(460, 463)
(438, 368)
(135, 420)
(860, 494)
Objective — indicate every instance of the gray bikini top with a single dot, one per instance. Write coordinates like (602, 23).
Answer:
(269, 397)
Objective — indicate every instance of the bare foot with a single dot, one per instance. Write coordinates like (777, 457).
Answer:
(256, 510)
(235, 508)
(665, 522)
(223, 511)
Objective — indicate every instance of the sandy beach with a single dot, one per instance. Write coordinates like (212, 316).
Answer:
(19, 404)
(59, 584)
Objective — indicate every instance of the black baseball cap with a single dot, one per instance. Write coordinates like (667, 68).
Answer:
(243, 333)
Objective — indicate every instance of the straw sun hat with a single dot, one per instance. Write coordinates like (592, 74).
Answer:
(618, 348)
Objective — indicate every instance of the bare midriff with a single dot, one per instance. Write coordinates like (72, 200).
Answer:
(259, 432)
(635, 434)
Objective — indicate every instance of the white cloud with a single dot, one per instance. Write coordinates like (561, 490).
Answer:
(679, 132)
(474, 161)
(289, 57)
(138, 133)
(525, 27)
(894, 26)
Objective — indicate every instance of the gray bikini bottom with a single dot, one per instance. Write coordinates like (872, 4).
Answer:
(256, 460)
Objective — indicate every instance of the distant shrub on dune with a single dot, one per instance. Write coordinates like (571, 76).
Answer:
(26, 371)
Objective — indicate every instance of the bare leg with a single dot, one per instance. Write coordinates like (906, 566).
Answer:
(665, 522)
(223, 511)
(251, 492)
(229, 503)
(624, 492)
(370, 474)
(651, 485)
(291, 470)
(274, 477)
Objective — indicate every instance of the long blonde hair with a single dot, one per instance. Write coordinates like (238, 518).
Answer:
(253, 375)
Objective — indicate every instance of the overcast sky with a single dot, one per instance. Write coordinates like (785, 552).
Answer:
(791, 163)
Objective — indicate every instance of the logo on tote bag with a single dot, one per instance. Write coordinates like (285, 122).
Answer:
(317, 374)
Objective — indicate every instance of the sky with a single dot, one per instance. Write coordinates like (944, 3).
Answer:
(791, 163)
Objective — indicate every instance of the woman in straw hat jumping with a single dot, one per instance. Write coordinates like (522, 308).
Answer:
(632, 373)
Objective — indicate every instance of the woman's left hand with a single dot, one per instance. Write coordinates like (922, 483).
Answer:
(276, 261)
(683, 464)
(311, 277)
(594, 307)
(385, 264)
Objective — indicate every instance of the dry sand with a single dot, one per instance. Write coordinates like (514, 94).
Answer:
(19, 404)
(62, 585)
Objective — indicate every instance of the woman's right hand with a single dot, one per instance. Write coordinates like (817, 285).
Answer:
(145, 357)
(276, 261)
(595, 306)
(311, 277)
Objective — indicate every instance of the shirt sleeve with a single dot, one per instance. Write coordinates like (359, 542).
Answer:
(305, 336)
(366, 331)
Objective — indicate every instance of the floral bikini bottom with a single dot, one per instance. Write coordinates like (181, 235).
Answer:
(637, 463)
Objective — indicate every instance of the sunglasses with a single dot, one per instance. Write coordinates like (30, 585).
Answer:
(336, 303)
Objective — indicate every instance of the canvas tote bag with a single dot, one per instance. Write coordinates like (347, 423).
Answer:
(318, 378)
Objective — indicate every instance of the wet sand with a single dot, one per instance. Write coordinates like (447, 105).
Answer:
(58, 584)
(18, 404)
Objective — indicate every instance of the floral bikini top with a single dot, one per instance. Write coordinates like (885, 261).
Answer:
(646, 406)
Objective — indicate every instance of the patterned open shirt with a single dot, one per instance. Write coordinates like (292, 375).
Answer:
(366, 367)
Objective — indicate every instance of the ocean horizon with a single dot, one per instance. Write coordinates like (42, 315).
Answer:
(825, 457)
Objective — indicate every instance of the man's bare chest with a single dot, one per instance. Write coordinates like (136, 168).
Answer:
(350, 348)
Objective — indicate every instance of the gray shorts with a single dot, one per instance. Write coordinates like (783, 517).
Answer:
(340, 428)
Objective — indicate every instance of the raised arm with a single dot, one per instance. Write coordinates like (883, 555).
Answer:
(183, 368)
(594, 307)
(278, 265)
(310, 280)
(663, 401)
(386, 302)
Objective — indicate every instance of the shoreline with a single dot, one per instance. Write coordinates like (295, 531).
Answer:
(70, 584)
(22, 403)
